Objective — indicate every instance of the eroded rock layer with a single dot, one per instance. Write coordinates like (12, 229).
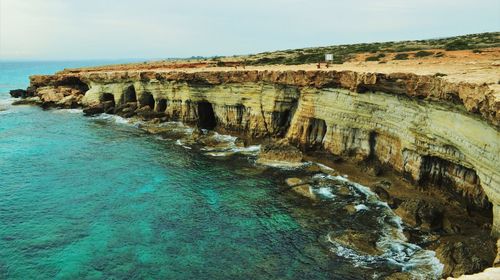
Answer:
(437, 133)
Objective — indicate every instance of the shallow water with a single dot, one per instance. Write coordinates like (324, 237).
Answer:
(97, 198)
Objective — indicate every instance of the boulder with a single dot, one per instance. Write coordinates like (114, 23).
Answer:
(280, 151)
(292, 182)
(421, 213)
(305, 191)
(470, 255)
(93, 110)
(20, 93)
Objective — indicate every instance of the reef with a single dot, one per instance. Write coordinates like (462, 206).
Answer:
(439, 135)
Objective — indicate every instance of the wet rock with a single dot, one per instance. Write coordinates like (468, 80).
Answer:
(280, 151)
(104, 107)
(27, 101)
(313, 168)
(421, 213)
(146, 113)
(93, 110)
(70, 101)
(20, 93)
(350, 209)
(305, 191)
(400, 276)
(363, 242)
(382, 193)
(291, 182)
(470, 255)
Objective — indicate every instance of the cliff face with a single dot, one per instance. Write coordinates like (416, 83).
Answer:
(435, 132)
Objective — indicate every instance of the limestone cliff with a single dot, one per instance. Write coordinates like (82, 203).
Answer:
(436, 132)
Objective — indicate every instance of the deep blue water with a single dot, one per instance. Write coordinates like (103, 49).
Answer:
(97, 198)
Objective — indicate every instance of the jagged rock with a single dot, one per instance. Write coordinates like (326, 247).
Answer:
(20, 93)
(421, 213)
(93, 110)
(27, 101)
(280, 152)
(470, 255)
(364, 242)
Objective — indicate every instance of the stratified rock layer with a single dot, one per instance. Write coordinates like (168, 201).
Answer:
(438, 133)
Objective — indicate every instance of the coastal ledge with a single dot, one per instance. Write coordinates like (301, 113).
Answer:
(475, 98)
(439, 134)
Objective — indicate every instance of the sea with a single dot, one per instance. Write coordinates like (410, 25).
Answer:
(100, 198)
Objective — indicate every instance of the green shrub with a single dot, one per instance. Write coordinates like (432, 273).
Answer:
(372, 58)
(423, 53)
(457, 45)
(401, 56)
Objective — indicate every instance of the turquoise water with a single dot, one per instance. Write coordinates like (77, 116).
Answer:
(93, 198)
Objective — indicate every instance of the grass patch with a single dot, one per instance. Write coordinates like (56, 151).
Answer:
(457, 45)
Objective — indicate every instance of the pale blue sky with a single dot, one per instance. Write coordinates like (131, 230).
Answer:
(96, 29)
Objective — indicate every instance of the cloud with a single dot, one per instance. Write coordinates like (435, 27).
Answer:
(71, 29)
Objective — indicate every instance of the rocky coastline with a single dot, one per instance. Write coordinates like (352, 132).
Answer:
(426, 146)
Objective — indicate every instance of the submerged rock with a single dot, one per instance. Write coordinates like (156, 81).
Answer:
(305, 191)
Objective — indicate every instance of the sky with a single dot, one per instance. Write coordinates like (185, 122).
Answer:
(155, 29)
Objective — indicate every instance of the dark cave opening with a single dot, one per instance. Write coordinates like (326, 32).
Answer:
(147, 99)
(206, 115)
(108, 97)
(129, 95)
(161, 106)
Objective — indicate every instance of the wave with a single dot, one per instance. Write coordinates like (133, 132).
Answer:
(395, 250)
(113, 118)
(69, 111)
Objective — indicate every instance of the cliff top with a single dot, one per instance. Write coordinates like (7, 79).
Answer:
(454, 66)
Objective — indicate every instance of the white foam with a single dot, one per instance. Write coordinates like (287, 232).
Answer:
(326, 192)
(324, 167)
(69, 111)
(396, 251)
(281, 164)
(361, 207)
(113, 118)
(219, 154)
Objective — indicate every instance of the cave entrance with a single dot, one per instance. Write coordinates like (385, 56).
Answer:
(128, 95)
(315, 133)
(161, 106)
(147, 99)
(105, 97)
(206, 115)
